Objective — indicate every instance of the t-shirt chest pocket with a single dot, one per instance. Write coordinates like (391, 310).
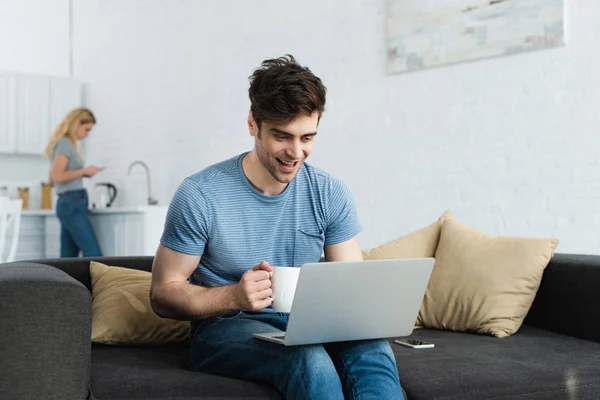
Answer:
(308, 246)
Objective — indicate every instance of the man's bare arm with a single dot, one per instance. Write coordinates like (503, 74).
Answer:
(345, 251)
(172, 296)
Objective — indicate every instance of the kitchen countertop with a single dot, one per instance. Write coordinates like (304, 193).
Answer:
(109, 210)
(36, 213)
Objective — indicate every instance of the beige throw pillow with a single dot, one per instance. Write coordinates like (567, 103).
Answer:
(417, 244)
(483, 283)
(121, 311)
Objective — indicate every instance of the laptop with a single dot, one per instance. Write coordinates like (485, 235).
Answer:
(356, 300)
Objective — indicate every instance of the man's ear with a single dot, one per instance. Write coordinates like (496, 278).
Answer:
(252, 125)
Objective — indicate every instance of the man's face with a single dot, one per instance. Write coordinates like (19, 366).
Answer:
(283, 148)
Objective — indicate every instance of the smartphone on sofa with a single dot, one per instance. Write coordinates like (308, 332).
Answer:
(414, 343)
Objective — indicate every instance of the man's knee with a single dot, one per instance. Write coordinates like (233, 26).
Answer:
(374, 346)
(369, 352)
(383, 353)
(310, 373)
(312, 359)
(380, 346)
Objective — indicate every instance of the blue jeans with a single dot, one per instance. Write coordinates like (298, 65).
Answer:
(355, 370)
(76, 231)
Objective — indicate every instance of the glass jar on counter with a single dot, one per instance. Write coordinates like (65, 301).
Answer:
(24, 195)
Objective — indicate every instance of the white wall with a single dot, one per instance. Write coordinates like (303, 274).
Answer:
(509, 144)
(34, 36)
(34, 39)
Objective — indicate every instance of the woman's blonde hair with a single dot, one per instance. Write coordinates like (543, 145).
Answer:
(68, 128)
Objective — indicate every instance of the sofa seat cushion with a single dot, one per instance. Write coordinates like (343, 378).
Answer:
(532, 364)
(159, 372)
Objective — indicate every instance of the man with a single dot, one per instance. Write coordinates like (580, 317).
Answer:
(230, 224)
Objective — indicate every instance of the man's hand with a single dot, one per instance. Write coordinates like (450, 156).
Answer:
(254, 289)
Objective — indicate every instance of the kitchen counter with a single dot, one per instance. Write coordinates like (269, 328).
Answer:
(37, 213)
(121, 231)
(109, 210)
(129, 209)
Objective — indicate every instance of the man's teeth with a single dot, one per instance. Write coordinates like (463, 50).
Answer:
(287, 162)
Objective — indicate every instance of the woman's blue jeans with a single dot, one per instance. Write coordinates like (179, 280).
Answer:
(76, 231)
(352, 370)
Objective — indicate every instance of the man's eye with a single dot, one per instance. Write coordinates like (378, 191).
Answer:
(281, 137)
(307, 139)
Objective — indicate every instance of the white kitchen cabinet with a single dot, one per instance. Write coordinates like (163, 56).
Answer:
(120, 234)
(129, 232)
(31, 107)
(122, 231)
(8, 107)
(31, 238)
(52, 237)
(33, 114)
(65, 95)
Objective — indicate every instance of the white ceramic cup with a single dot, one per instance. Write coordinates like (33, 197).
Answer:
(283, 284)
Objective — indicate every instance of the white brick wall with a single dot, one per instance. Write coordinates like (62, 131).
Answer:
(34, 36)
(509, 144)
(34, 39)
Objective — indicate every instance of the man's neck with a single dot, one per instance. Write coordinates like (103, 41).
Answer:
(259, 177)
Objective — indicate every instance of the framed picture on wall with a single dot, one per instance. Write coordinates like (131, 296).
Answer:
(426, 34)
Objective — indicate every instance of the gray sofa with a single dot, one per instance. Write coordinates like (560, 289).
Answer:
(45, 349)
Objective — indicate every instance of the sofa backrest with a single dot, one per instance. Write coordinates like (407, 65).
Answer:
(568, 300)
(79, 268)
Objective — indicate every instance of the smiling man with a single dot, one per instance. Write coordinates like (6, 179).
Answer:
(229, 224)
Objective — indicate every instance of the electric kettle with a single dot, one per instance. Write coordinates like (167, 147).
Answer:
(105, 194)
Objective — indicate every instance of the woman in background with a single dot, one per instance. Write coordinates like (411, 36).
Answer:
(67, 173)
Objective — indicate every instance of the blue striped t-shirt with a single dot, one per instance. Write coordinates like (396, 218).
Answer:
(217, 214)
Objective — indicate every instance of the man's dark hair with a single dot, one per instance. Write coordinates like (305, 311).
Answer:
(280, 89)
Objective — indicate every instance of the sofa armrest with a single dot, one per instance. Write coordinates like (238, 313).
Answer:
(45, 331)
(568, 300)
